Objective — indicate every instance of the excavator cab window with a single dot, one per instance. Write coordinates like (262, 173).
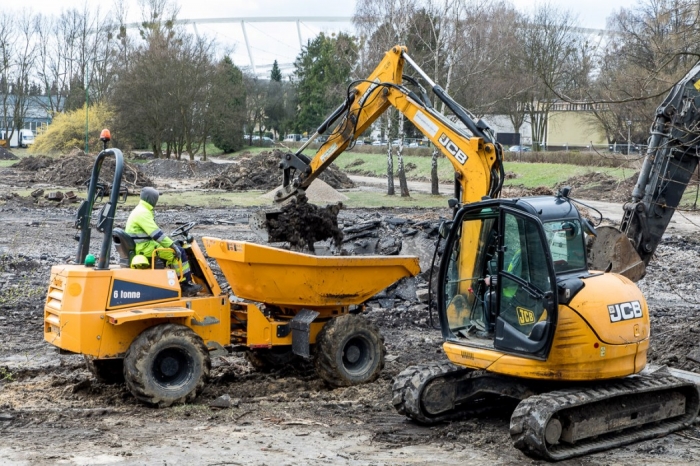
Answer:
(567, 245)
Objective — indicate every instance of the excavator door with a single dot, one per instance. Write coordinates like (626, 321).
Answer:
(498, 281)
(526, 286)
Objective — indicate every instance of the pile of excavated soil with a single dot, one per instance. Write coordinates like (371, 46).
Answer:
(522, 191)
(600, 186)
(302, 224)
(34, 163)
(594, 185)
(262, 172)
(181, 169)
(75, 170)
(6, 154)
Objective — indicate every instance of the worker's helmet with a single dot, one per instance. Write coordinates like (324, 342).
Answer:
(139, 262)
(150, 195)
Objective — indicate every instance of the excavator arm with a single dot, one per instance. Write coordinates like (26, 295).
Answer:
(671, 159)
(476, 158)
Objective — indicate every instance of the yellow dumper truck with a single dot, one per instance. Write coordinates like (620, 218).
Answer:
(135, 325)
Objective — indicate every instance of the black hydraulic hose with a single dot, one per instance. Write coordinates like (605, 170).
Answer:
(460, 113)
(334, 116)
(430, 284)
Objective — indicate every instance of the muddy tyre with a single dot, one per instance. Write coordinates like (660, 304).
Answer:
(109, 371)
(166, 364)
(267, 360)
(349, 351)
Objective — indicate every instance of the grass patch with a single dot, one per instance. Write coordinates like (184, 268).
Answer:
(532, 175)
(528, 174)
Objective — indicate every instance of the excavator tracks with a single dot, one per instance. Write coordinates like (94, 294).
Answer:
(554, 425)
(408, 387)
(437, 392)
(558, 425)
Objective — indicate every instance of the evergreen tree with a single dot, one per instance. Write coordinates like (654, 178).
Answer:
(275, 73)
(322, 73)
(228, 106)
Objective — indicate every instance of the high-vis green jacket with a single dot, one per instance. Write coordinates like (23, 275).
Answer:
(141, 226)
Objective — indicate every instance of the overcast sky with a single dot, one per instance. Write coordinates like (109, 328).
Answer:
(280, 41)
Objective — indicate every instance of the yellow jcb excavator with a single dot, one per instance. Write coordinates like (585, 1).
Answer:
(522, 315)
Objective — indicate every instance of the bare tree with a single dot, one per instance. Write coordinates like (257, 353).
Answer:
(657, 41)
(256, 98)
(7, 51)
(22, 62)
(549, 47)
(386, 23)
(437, 31)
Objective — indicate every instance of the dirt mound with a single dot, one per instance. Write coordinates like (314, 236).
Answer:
(6, 154)
(262, 172)
(34, 163)
(181, 169)
(75, 170)
(522, 191)
(600, 186)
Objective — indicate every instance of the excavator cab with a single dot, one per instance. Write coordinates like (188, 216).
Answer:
(503, 261)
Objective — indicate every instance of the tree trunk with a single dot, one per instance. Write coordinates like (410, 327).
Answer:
(403, 184)
(389, 160)
(434, 182)
(157, 150)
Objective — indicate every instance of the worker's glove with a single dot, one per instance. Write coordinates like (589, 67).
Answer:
(178, 252)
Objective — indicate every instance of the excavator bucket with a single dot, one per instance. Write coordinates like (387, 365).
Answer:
(258, 222)
(612, 251)
(298, 223)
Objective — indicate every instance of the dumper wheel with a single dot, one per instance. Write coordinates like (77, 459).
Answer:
(267, 360)
(166, 364)
(349, 351)
(109, 371)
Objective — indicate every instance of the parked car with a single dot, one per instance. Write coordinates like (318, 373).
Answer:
(359, 142)
(377, 142)
(266, 142)
(622, 148)
(519, 149)
(293, 138)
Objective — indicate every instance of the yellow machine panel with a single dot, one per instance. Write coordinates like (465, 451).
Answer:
(291, 279)
(100, 312)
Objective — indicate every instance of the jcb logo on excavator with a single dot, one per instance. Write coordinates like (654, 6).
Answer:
(625, 311)
(525, 316)
(453, 149)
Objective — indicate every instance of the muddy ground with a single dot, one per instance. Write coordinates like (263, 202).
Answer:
(53, 412)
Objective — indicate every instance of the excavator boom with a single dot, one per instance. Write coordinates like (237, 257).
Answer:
(671, 159)
(468, 145)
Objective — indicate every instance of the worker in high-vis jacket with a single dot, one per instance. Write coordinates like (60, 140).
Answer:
(141, 226)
